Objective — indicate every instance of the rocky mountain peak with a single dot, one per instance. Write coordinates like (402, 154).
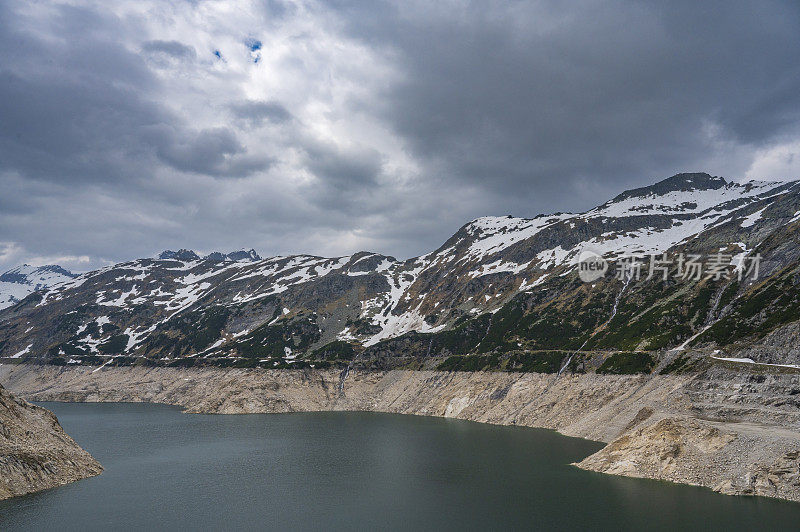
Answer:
(244, 255)
(235, 256)
(181, 254)
(55, 268)
(684, 182)
(366, 261)
(216, 256)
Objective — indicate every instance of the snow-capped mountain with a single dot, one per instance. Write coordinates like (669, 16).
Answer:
(18, 283)
(279, 310)
(189, 255)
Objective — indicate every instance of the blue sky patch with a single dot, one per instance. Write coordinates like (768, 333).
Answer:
(254, 45)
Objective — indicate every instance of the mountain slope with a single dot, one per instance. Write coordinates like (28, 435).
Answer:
(16, 284)
(500, 287)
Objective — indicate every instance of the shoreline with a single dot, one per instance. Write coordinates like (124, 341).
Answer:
(35, 452)
(687, 429)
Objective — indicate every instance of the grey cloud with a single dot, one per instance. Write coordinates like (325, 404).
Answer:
(346, 180)
(529, 100)
(254, 113)
(172, 49)
(348, 169)
(74, 112)
(215, 152)
(72, 131)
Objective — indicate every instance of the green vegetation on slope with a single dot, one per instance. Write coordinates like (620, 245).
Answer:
(627, 364)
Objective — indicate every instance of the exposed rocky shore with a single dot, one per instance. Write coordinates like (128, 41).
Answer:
(35, 452)
(732, 431)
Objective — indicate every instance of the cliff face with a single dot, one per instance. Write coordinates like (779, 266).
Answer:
(724, 429)
(35, 452)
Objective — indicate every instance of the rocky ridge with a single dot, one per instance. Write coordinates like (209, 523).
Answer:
(501, 288)
(35, 452)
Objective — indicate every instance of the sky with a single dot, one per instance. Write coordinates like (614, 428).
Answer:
(330, 127)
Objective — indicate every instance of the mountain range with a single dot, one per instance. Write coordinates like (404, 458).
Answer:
(17, 283)
(501, 293)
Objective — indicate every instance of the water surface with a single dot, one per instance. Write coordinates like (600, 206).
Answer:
(344, 471)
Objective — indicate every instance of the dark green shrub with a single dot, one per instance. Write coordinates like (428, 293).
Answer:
(627, 364)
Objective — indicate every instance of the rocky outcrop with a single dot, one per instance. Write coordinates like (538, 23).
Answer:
(779, 479)
(735, 433)
(731, 460)
(781, 346)
(35, 452)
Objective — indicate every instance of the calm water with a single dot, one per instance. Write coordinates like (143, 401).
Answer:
(328, 471)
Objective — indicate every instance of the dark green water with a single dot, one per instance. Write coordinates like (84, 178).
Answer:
(328, 471)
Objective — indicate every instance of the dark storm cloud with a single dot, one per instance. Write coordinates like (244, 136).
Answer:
(530, 100)
(344, 179)
(56, 128)
(71, 112)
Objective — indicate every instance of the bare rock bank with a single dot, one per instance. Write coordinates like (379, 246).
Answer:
(735, 433)
(35, 452)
